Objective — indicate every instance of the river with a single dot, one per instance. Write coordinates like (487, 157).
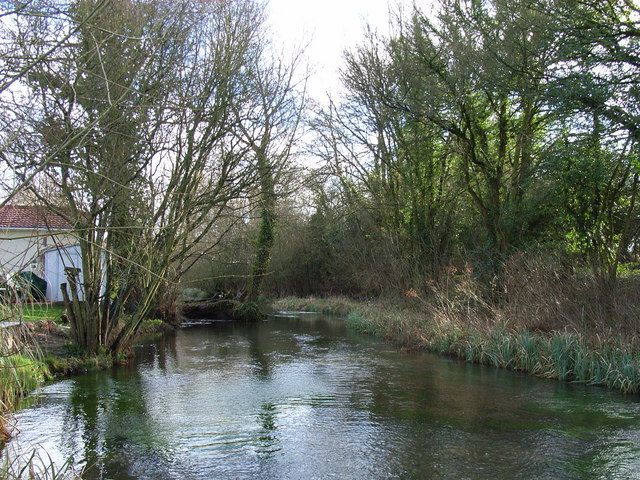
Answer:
(304, 398)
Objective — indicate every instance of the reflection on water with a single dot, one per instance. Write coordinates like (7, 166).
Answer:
(304, 398)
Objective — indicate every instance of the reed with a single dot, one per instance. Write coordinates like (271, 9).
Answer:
(21, 371)
(36, 465)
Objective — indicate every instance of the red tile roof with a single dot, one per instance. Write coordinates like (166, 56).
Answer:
(22, 216)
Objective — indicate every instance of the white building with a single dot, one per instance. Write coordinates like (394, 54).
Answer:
(56, 261)
(35, 240)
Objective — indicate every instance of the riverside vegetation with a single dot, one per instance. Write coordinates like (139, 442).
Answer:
(39, 349)
(31, 353)
(562, 354)
(22, 370)
(474, 191)
(483, 167)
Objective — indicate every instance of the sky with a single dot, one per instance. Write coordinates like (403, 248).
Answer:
(326, 27)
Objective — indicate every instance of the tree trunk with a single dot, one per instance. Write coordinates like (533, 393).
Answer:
(264, 245)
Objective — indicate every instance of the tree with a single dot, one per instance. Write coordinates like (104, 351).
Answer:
(136, 113)
(14, 68)
(594, 85)
(444, 106)
(269, 125)
(484, 66)
(407, 167)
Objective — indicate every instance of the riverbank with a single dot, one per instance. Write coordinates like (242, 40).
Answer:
(565, 355)
(21, 370)
(63, 359)
(39, 350)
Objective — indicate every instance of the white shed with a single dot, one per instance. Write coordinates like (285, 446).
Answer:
(56, 260)
(26, 232)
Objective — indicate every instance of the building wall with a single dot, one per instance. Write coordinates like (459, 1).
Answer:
(56, 260)
(22, 249)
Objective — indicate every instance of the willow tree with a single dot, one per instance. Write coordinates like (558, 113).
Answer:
(15, 68)
(136, 112)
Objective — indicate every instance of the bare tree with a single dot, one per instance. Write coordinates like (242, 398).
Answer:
(18, 20)
(136, 114)
(269, 125)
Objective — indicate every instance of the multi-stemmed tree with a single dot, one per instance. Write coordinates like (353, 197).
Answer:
(133, 120)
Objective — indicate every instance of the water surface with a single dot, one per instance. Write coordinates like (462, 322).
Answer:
(303, 398)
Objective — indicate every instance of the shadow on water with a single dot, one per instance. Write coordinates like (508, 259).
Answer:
(304, 398)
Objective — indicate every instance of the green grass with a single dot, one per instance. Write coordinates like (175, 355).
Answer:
(562, 355)
(21, 366)
(41, 311)
(21, 371)
(64, 365)
(20, 374)
(359, 324)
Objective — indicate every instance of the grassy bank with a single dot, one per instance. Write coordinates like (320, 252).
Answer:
(561, 354)
(41, 350)
(21, 371)
(64, 359)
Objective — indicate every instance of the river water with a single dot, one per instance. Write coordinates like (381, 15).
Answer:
(304, 398)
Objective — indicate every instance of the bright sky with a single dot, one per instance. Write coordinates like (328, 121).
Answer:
(328, 26)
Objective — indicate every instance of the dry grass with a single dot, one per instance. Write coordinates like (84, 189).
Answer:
(544, 295)
(552, 325)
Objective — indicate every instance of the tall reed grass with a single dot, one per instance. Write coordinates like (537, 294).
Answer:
(21, 371)
(21, 365)
(36, 465)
